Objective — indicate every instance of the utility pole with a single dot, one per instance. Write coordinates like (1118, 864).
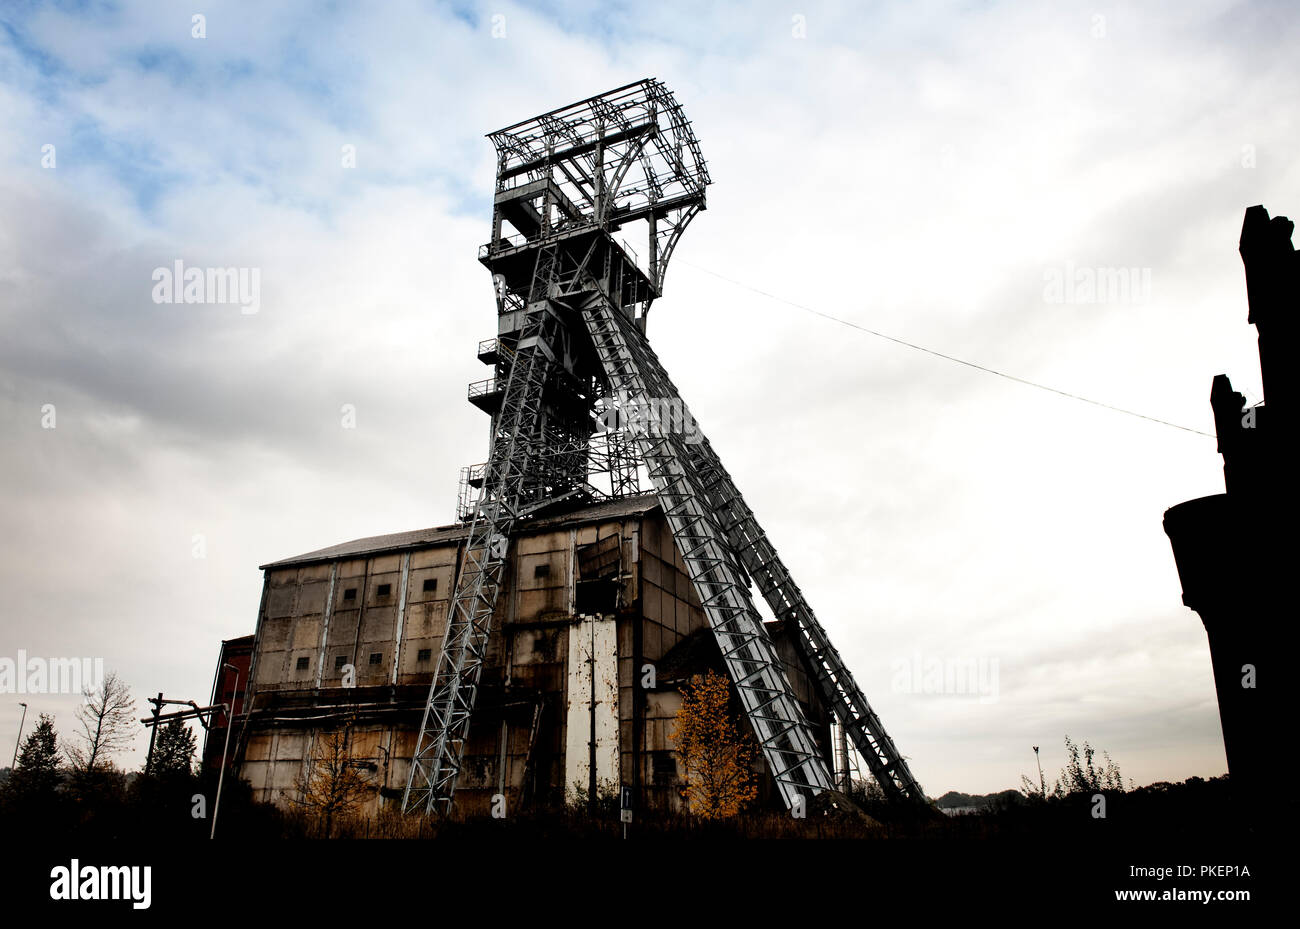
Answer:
(20, 736)
(230, 724)
(152, 722)
(153, 730)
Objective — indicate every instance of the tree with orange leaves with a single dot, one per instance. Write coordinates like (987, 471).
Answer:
(332, 785)
(716, 752)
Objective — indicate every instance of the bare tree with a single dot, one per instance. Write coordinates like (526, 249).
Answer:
(107, 721)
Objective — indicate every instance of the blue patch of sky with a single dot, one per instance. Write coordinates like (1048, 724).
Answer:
(330, 84)
(325, 82)
(132, 162)
(36, 59)
(466, 11)
(235, 69)
(620, 23)
(165, 60)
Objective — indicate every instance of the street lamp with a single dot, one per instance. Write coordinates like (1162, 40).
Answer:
(20, 736)
(228, 708)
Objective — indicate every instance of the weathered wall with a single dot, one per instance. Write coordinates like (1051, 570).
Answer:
(318, 616)
(592, 717)
(670, 611)
(522, 739)
(331, 615)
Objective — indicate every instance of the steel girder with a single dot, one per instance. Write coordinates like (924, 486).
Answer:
(509, 488)
(760, 561)
(834, 680)
(783, 733)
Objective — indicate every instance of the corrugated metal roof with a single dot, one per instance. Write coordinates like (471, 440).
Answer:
(424, 538)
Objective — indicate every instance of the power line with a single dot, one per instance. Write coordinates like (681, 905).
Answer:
(945, 357)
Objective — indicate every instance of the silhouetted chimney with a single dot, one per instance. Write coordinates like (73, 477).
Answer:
(1234, 550)
(1271, 275)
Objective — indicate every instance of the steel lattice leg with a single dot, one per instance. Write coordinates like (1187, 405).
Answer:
(786, 601)
(507, 488)
(782, 732)
(759, 559)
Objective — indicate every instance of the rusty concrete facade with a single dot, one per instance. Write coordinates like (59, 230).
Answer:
(596, 599)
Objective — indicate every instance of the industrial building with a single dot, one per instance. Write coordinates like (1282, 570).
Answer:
(597, 627)
(532, 652)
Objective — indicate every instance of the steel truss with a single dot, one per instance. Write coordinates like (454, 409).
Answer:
(759, 559)
(509, 491)
(783, 734)
(569, 355)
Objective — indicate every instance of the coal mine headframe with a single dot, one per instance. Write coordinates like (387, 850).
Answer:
(582, 411)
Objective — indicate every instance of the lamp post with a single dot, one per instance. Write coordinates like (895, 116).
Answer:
(1042, 785)
(228, 708)
(20, 736)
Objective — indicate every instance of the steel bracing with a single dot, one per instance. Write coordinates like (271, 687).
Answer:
(784, 598)
(783, 734)
(582, 410)
(509, 489)
(761, 562)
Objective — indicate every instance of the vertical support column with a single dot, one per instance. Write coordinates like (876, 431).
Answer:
(787, 742)
(598, 177)
(401, 616)
(325, 624)
(846, 782)
(654, 254)
(509, 486)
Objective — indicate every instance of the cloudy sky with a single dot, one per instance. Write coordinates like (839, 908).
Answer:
(925, 170)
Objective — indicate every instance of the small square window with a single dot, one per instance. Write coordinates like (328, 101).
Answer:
(304, 664)
(384, 590)
(340, 661)
(542, 570)
(350, 593)
(424, 654)
(430, 584)
(376, 657)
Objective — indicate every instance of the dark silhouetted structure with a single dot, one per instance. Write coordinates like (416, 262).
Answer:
(1233, 549)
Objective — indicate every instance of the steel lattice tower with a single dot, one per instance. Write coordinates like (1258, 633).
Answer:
(570, 357)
